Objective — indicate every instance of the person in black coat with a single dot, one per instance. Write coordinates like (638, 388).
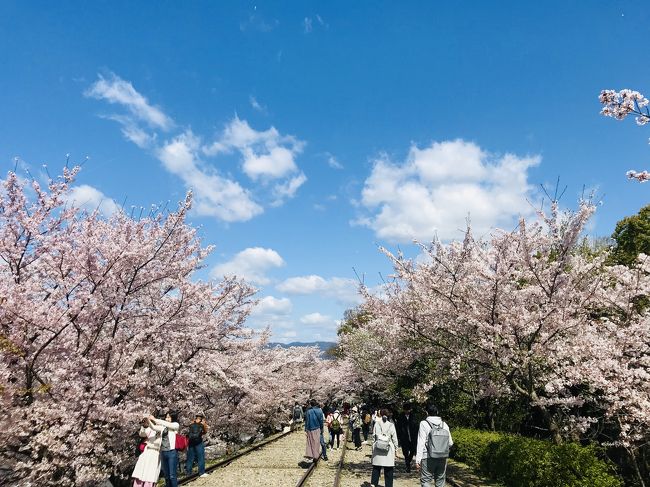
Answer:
(407, 434)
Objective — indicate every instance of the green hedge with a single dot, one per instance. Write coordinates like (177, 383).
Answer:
(517, 461)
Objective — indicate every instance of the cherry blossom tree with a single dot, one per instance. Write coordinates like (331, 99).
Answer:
(526, 315)
(102, 321)
(620, 104)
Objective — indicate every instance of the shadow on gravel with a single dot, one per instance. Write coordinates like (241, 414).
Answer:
(358, 467)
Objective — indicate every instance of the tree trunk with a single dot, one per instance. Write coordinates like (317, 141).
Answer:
(635, 464)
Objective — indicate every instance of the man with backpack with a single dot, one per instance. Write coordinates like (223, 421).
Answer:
(434, 441)
(298, 415)
(335, 425)
(196, 447)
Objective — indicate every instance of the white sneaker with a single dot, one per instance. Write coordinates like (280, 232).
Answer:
(204, 475)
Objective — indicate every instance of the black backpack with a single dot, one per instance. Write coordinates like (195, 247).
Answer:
(196, 434)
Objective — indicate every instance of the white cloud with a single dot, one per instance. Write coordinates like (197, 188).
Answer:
(436, 188)
(268, 157)
(270, 306)
(288, 188)
(274, 313)
(342, 289)
(257, 106)
(251, 264)
(315, 319)
(118, 91)
(215, 195)
(257, 22)
(309, 22)
(91, 199)
(333, 162)
(265, 154)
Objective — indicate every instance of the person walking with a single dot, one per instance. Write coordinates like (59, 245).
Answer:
(335, 425)
(297, 415)
(313, 430)
(196, 447)
(323, 443)
(147, 468)
(355, 426)
(365, 426)
(168, 452)
(407, 434)
(384, 448)
(434, 441)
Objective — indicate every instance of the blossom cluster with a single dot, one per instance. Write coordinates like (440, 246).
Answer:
(620, 104)
(642, 176)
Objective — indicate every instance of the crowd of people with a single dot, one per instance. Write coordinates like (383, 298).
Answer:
(161, 442)
(425, 442)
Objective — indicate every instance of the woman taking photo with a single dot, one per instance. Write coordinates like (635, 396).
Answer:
(147, 468)
(383, 450)
(168, 452)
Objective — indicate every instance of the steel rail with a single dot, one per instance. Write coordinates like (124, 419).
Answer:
(337, 477)
(307, 473)
(339, 469)
(230, 458)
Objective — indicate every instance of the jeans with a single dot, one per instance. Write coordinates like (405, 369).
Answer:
(323, 446)
(169, 461)
(365, 428)
(433, 469)
(195, 452)
(356, 437)
(388, 475)
(337, 435)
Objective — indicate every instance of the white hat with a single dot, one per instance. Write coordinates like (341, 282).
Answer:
(354, 409)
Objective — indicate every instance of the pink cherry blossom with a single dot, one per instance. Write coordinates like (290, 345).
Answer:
(620, 104)
(103, 320)
(525, 314)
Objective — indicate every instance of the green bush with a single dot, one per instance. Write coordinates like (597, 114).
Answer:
(517, 461)
(470, 445)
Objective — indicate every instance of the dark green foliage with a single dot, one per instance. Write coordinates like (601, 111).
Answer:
(352, 320)
(632, 237)
(519, 461)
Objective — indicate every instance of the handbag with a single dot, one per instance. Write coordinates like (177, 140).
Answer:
(382, 445)
(182, 442)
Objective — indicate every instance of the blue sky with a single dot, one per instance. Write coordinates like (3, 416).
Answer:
(312, 132)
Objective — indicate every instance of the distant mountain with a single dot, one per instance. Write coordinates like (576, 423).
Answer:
(323, 346)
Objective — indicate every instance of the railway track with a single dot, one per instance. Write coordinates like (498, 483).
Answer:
(277, 462)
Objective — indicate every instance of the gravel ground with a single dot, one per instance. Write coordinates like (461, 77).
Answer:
(279, 464)
(324, 474)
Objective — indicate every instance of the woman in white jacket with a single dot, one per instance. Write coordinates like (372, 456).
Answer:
(147, 468)
(383, 433)
(168, 452)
